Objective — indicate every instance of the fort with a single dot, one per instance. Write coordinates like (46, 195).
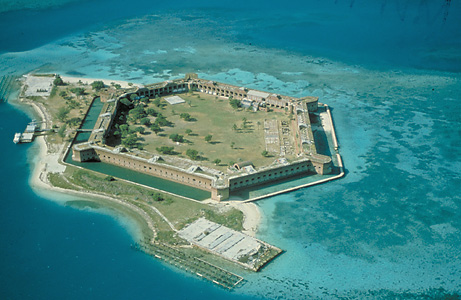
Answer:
(289, 139)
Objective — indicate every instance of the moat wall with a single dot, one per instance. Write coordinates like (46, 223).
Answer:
(87, 152)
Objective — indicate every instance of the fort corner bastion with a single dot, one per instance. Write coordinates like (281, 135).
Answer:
(290, 141)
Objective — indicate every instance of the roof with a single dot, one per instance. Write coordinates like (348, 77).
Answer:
(243, 164)
(30, 128)
(258, 94)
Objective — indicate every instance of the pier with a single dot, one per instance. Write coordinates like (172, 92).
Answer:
(28, 135)
(5, 87)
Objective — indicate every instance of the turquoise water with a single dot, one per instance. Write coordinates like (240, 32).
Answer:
(389, 69)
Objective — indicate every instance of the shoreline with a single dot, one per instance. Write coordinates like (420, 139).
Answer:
(122, 83)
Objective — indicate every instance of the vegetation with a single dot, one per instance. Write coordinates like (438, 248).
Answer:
(177, 138)
(97, 85)
(155, 128)
(62, 131)
(74, 122)
(145, 121)
(140, 129)
(58, 81)
(126, 102)
(193, 154)
(234, 103)
(167, 128)
(62, 113)
(165, 150)
(186, 117)
(78, 91)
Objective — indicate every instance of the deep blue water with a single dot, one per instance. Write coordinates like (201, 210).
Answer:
(388, 68)
(51, 251)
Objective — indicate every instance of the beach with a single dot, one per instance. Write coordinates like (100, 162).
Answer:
(108, 82)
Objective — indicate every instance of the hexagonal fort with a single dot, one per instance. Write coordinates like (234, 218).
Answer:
(191, 125)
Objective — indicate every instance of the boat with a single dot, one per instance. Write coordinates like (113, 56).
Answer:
(17, 137)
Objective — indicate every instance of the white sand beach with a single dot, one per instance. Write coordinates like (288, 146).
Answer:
(123, 84)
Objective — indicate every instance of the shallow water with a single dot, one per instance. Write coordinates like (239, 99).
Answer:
(390, 71)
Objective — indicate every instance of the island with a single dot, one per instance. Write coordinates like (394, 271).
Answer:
(185, 158)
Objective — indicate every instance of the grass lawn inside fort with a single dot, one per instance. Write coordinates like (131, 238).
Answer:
(236, 134)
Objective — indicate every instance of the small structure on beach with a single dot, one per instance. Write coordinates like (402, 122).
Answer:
(229, 244)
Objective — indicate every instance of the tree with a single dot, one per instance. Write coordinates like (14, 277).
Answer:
(140, 129)
(232, 145)
(234, 103)
(62, 94)
(78, 91)
(187, 117)
(208, 138)
(62, 131)
(151, 112)
(155, 128)
(193, 154)
(162, 121)
(265, 153)
(145, 121)
(216, 161)
(130, 141)
(126, 102)
(97, 85)
(62, 113)
(234, 127)
(177, 138)
(137, 113)
(165, 150)
(74, 121)
(58, 81)
(158, 197)
(188, 131)
(157, 102)
(244, 124)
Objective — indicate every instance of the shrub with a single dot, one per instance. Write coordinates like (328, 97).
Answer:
(177, 138)
(193, 154)
(97, 85)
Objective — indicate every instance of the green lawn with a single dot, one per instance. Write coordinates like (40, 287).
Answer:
(214, 117)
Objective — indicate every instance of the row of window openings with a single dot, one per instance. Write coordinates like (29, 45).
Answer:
(166, 173)
(270, 175)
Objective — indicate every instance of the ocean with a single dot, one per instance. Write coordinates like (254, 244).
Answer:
(390, 70)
